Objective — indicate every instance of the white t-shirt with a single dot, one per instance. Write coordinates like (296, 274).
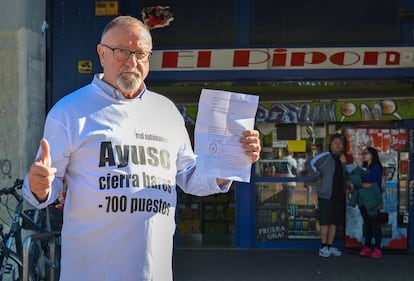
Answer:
(121, 159)
(292, 165)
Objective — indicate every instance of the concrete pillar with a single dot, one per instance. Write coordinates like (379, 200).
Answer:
(22, 81)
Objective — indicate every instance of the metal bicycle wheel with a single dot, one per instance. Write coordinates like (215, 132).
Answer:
(42, 266)
(13, 270)
(39, 261)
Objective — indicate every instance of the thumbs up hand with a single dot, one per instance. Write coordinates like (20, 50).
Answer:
(41, 173)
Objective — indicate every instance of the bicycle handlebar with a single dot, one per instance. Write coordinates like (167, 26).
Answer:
(11, 190)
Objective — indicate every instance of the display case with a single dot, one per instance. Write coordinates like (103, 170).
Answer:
(286, 211)
(286, 199)
(189, 215)
(206, 221)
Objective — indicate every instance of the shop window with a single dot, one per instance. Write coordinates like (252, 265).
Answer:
(286, 211)
(206, 221)
(286, 199)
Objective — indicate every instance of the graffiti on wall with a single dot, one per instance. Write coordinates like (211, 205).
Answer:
(319, 112)
(5, 168)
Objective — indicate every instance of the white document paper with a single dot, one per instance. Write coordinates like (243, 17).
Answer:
(221, 119)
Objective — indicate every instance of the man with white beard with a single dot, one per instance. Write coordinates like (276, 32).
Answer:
(122, 150)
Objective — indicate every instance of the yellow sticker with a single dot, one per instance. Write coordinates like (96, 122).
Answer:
(106, 8)
(297, 145)
(84, 66)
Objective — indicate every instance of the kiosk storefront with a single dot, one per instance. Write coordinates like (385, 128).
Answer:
(279, 207)
(297, 118)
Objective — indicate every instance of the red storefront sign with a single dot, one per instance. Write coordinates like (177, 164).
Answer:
(282, 58)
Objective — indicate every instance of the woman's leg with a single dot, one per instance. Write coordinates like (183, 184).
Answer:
(367, 226)
(377, 231)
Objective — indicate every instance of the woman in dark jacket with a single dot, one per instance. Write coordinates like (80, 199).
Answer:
(372, 224)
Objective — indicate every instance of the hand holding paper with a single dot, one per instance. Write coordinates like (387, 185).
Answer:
(222, 149)
(251, 144)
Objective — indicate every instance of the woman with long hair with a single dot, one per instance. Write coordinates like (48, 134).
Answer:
(372, 224)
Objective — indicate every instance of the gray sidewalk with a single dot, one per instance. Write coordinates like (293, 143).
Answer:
(289, 265)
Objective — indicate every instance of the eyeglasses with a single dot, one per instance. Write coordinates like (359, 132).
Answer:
(364, 153)
(124, 54)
